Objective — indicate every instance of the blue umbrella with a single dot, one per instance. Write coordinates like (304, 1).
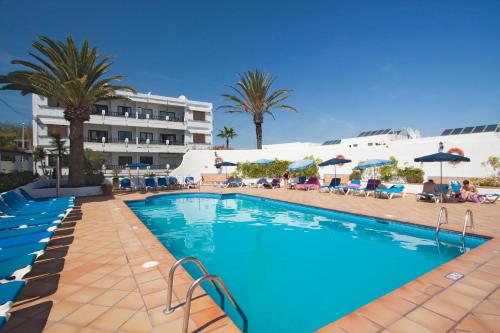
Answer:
(334, 162)
(300, 165)
(375, 163)
(263, 161)
(226, 164)
(442, 157)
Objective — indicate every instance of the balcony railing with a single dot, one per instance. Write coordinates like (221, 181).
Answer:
(133, 141)
(132, 115)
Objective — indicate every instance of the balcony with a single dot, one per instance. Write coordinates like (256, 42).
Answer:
(135, 115)
(120, 145)
(133, 141)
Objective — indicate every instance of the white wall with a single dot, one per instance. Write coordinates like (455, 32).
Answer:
(478, 147)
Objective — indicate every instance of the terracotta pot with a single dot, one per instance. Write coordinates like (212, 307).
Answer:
(107, 190)
(116, 184)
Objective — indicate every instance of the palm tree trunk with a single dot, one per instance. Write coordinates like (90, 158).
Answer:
(258, 132)
(227, 143)
(76, 158)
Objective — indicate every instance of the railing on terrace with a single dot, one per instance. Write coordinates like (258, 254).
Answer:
(136, 115)
(154, 167)
(133, 141)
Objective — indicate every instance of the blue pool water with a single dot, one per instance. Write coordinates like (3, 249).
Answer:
(294, 268)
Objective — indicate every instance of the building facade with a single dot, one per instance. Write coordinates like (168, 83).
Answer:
(144, 128)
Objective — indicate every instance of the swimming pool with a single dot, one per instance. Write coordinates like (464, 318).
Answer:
(294, 268)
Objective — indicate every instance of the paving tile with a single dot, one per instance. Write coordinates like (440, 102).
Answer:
(61, 327)
(131, 301)
(85, 315)
(62, 309)
(472, 324)
(112, 319)
(355, 323)
(110, 297)
(85, 294)
(405, 325)
(444, 308)
(138, 323)
(430, 320)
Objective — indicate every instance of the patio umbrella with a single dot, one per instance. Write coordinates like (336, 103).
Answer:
(375, 163)
(334, 162)
(442, 157)
(300, 165)
(263, 161)
(225, 164)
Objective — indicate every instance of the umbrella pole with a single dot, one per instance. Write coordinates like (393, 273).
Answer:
(441, 172)
(335, 168)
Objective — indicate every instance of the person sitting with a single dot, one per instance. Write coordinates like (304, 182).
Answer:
(430, 187)
(431, 191)
(469, 192)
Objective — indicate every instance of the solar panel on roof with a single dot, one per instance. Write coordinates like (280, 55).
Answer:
(378, 132)
(361, 134)
(447, 131)
(490, 128)
(386, 131)
(457, 131)
(467, 130)
(478, 129)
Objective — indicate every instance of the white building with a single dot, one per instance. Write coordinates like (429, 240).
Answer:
(475, 142)
(146, 128)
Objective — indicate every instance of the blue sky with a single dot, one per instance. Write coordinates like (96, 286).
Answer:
(353, 65)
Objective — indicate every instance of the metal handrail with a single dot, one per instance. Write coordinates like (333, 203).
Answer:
(468, 222)
(189, 296)
(169, 309)
(443, 213)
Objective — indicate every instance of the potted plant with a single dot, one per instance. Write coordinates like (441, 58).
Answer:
(107, 187)
(116, 179)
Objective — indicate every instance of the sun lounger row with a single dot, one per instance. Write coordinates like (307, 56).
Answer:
(25, 231)
(151, 183)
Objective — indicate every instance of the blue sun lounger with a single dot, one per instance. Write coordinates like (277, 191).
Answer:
(25, 231)
(19, 205)
(16, 200)
(8, 294)
(391, 191)
(150, 183)
(33, 213)
(16, 268)
(13, 252)
(334, 182)
(39, 237)
(28, 197)
(12, 223)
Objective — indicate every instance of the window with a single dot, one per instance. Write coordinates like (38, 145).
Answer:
(147, 111)
(123, 109)
(98, 108)
(198, 138)
(198, 115)
(145, 135)
(169, 137)
(124, 160)
(96, 136)
(58, 129)
(146, 160)
(164, 114)
(122, 135)
(8, 157)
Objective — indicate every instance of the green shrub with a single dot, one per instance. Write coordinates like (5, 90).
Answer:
(491, 181)
(411, 174)
(249, 170)
(9, 181)
(356, 174)
(388, 171)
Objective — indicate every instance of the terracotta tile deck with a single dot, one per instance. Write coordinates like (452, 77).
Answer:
(91, 277)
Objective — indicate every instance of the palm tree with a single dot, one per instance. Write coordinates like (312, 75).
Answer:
(59, 149)
(254, 96)
(76, 77)
(227, 133)
(39, 156)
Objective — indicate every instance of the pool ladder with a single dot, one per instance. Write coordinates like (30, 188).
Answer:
(214, 280)
(443, 219)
